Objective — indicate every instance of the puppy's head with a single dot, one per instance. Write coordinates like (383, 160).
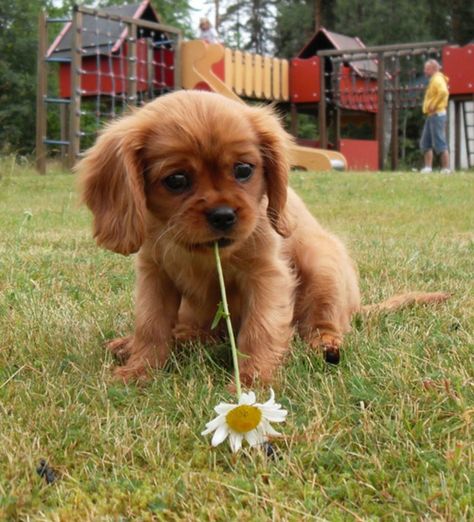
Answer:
(198, 165)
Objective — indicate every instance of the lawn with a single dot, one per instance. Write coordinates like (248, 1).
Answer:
(386, 435)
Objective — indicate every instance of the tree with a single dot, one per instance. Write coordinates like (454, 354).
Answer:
(249, 25)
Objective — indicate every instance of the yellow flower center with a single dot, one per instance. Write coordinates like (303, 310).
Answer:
(243, 418)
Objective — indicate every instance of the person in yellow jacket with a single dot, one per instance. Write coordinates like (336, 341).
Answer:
(435, 103)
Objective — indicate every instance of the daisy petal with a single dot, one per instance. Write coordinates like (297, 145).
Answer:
(235, 441)
(247, 398)
(224, 408)
(220, 435)
(214, 424)
(268, 429)
(254, 438)
(273, 415)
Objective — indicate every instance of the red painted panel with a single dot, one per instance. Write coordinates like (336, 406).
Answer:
(304, 80)
(356, 93)
(458, 65)
(218, 69)
(361, 154)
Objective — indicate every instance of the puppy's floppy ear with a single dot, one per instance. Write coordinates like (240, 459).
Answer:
(112, 186)
(274, 147)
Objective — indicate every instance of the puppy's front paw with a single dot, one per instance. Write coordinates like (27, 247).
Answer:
(132, 374)
(120, 348)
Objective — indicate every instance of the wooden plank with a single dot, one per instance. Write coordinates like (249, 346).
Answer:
(276, 85)
(228, 68)
(285, 80)
(267, 77)
(248, 75)
(258, 76)
(41, 91)
(238, 73)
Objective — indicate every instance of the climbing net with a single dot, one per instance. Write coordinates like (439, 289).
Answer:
(107, 63)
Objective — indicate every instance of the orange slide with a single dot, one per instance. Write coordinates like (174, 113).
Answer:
(197, 61)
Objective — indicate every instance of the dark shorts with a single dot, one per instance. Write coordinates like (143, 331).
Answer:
(434, 134)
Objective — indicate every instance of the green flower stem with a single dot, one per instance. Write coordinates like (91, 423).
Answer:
(225, 306)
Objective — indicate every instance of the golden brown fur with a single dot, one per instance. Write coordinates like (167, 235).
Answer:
(282, 269)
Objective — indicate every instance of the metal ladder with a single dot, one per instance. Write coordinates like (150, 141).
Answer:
(43, 100)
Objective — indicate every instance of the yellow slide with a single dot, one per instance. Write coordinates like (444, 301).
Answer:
(197, 58)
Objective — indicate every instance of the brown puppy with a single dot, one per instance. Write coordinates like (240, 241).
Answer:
(192, 168)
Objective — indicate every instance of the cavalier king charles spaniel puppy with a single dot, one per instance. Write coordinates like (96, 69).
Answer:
(187, 170)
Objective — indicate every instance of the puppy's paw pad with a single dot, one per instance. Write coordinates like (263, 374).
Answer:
(331, 354)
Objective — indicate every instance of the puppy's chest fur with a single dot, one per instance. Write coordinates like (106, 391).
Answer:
(196, 279)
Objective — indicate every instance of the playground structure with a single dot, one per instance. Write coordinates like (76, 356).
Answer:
(104, 61)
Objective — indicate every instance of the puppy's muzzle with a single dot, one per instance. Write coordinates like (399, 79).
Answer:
(221, 219)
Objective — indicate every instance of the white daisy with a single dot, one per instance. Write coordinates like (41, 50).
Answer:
(247, 420)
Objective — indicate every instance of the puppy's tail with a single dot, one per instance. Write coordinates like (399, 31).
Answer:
(403, 300)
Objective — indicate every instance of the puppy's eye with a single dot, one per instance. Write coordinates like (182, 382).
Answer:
(243, 171)
(177, 182)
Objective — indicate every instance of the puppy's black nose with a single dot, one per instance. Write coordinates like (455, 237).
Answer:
(221, 218)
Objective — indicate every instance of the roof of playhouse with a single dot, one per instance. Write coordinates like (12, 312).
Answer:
(324, 40)
(100, 35)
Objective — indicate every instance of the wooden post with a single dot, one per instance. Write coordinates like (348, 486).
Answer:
(457, 135)
(178, 84)
(323, 136)
(64, 132)
(76, 66)
(395, 113)
(132, 64)
(381, 109)
(338, 127)
(41, 91)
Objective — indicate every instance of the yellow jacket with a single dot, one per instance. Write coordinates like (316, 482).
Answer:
(437, 94)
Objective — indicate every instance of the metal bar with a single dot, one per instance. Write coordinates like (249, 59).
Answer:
(62, 101)
(56, 142)
(128, 20)
(56, 59)
(76, 66)
(380, 124)
(323, 136)
(41, 90)
(381, 48)
(57, 20)
(373, 55)
(132, 65)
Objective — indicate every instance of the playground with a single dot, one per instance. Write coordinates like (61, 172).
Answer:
(384, 435)
(361, 97)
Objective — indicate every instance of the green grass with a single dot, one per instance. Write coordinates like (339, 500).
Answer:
(386, 435)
